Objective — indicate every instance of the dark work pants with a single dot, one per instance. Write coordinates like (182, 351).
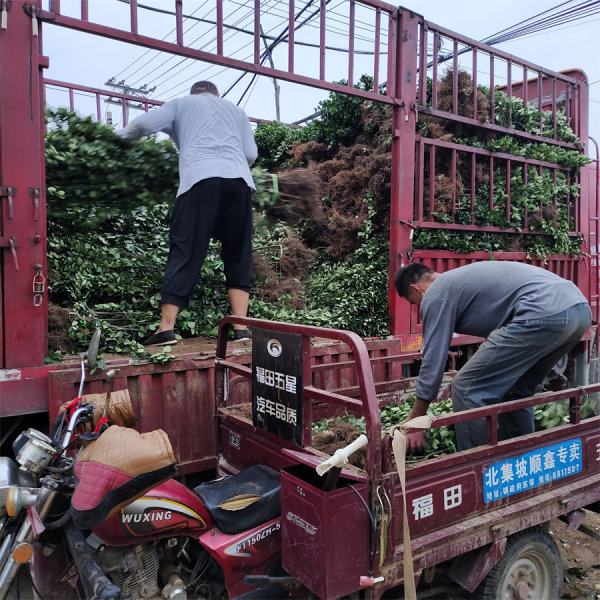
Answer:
(213, 208)
(511, 364)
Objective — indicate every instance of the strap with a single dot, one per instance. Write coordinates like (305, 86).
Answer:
(398, 435)
(70, 409)
(102, 421)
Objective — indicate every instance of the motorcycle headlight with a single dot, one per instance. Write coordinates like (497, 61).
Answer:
(35, 450)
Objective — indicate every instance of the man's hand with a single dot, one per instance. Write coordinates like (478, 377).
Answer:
(416, 441)
(123, 141)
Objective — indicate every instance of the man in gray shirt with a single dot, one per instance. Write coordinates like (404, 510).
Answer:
(216, 148)
(529, 317)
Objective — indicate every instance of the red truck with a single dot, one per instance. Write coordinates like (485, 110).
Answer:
(31, 391)
(475, 516)
(27, 388)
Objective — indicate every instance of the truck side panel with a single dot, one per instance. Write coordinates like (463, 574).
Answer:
(23, 290)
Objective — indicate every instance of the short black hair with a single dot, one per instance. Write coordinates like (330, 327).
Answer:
(204, 86)
(411, 273)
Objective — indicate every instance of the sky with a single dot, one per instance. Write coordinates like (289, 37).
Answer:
(90, 60)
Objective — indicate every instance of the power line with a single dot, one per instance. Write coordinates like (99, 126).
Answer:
(163, 38)
(186, 82)
(566, 16)
(273, 12)
(276, 40)
(228, 33)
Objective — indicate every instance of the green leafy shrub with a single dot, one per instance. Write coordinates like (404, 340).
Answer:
(541, 204)
(438, 441)
(108, 235)
(88, 169)
(354, 291)
(340, 118)
(274, 141)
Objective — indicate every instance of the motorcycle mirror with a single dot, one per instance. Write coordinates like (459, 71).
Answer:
(91, 356)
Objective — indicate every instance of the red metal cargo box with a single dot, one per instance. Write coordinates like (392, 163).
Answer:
(324, 535)
(177, 397)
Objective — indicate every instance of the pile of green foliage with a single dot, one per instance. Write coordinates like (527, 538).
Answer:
(339, 123)
(440, 441)
(91, 178)
(545, 203)
(108, 210)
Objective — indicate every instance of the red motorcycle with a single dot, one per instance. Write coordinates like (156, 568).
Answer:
(219, 540)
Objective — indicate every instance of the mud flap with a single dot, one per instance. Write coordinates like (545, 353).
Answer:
(272, 591)
(471, 568)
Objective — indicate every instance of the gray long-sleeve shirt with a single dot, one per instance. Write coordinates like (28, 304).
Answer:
(213, 135)
(477, 299)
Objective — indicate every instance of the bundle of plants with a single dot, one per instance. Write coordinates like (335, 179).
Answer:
(88, 168)
(89, 172)
(288, 197)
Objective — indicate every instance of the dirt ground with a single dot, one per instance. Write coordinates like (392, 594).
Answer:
(581, 558)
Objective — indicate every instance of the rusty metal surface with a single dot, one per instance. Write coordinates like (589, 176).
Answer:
(177, 397)
(479, 528)
(324, 535)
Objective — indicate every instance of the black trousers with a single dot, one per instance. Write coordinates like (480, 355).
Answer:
(213, 208)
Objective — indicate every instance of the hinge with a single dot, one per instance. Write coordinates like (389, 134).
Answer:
(38, 13)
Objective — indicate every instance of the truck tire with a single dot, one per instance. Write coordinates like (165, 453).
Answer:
(531, 568)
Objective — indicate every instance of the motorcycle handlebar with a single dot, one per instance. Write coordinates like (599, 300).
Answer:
(72, 424)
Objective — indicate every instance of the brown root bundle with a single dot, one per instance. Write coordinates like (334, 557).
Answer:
(299, 197)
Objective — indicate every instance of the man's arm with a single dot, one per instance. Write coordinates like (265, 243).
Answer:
(439, 320)
(158, 119)
(250, 147)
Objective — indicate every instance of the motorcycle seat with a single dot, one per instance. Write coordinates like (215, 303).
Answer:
(243, 501)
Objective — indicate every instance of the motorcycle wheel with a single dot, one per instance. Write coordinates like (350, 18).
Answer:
(531, 567)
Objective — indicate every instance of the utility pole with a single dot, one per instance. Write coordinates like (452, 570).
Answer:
(141, 92)
(275, 82)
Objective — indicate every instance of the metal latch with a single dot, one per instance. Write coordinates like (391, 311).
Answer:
(11, 243)
(6, 6)
(39, 286)
(10, 193)
(37, 14)
(34, 193)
